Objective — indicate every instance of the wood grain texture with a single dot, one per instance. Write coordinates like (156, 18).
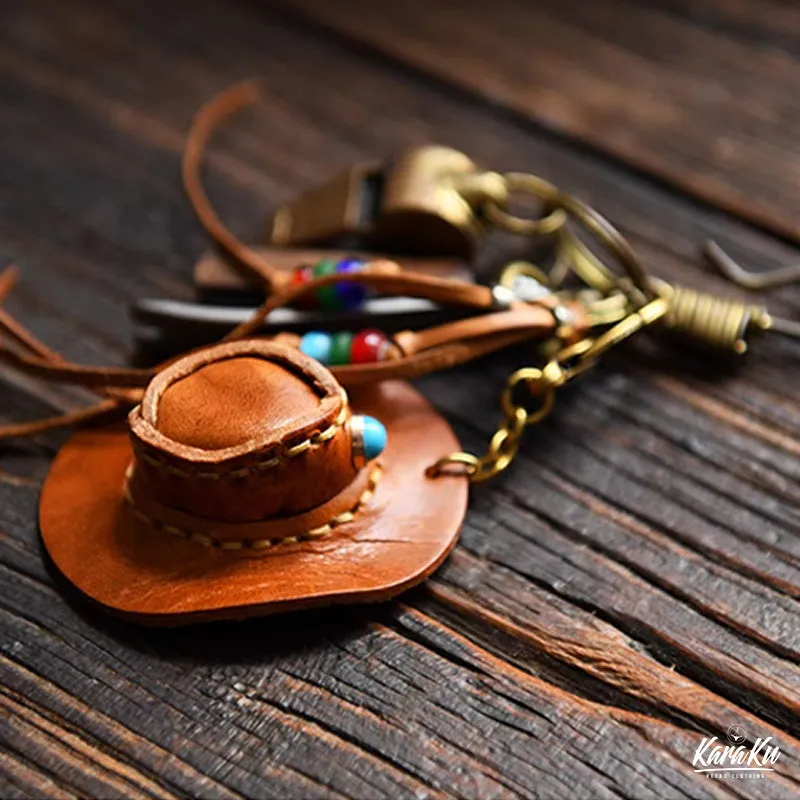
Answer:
(701, 94)
(630, 586)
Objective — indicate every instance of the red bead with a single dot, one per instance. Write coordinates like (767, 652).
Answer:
(300, 276)
(368, 346)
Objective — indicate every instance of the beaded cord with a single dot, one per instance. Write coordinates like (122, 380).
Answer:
(333, 350)
(333, 297)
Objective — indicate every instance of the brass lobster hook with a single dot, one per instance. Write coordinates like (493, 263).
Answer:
(756, 281)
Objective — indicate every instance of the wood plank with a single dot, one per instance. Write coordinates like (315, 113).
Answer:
(628, 587)
(621, 520)
(701, 95)
(431, 705)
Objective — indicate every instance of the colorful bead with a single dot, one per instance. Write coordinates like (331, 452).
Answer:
(368, 439)
(351, 295)
(326, 296)
(338, 349)
(303, 275)
(375, 438)
(333, 297)
(316, 344)
(300, 276)
(369, 345)
(341, 348)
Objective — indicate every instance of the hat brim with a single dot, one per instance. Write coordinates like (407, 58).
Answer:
(398, 538)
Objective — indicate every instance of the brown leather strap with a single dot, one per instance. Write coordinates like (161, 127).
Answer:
(417, 353)
(211, 115)
(535, 320)
(19, 430)
(445, 356)
(44, 362)
(67, 372)
(382, 275)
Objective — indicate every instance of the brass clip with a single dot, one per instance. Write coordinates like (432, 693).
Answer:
(411, 205)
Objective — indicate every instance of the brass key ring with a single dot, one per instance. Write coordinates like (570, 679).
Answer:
(496, 204)
(496, 210)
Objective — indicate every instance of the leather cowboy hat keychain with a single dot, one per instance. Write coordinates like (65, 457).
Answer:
(251, 478)
(249, 482)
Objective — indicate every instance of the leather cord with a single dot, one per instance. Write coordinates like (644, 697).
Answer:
(47, 363)
(414, 353)
(208, 118)
(62, 371)
(19, 430)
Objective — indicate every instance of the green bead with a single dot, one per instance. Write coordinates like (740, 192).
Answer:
(326, 296)
(325, 267)
(340, 348)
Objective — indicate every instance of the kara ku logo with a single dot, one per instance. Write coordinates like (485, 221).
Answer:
(714, 756)
(736, 734)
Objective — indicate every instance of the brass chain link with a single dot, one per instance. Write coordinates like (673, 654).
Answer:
(542, 383)
(626, 302)
(494, 193)
(505, 441)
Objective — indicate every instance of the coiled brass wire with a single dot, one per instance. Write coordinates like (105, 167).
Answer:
(716, 321)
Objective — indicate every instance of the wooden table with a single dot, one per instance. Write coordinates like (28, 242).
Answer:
(629, 587)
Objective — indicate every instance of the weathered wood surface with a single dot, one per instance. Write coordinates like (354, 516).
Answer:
(701, 94)
(629, 587)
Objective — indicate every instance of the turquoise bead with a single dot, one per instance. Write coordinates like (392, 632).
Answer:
(318, 345)
(374, 437)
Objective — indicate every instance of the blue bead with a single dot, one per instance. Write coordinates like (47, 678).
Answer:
(375, 436)
(349, 265)
(351, 295)
(316, 344)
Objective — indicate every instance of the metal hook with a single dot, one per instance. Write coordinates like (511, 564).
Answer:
(734, 272)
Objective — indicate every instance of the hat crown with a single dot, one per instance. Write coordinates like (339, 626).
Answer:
(231, 402)
(243, 432)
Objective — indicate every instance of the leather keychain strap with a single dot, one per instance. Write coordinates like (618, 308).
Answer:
(47, 360)
(416, 352)
(243, 258)
(445, 356)
(533, 320)
(62, 371)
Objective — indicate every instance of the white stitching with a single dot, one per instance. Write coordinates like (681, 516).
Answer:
(261, 544)
(314, 441)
